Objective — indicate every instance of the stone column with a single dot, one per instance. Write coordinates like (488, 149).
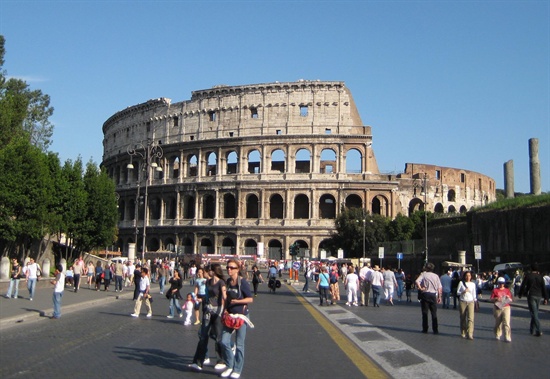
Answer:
(45, 266)
(509, 179)
(462, 257)
(534, 166)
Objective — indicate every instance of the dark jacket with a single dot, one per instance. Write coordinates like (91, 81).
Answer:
(533, 285)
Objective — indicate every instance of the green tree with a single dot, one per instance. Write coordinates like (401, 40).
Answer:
(401, 228)
(23, 111)
(98, 228)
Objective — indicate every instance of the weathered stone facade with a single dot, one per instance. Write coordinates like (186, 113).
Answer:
(264, 165)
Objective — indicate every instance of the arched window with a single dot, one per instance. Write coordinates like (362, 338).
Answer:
(354, 201)
(438, 208)
(301, 207)
(354, 162)
(327, 206)
(452, 209)
(276, 207)
(451, 195)
(192, 166)
(232, 163)
(252, 209)
(212, 165)
(254, 162)
(328, 161)
(209, 207)
(275, 250)
(303, 161)
(278, 161)
(189, 210)
(229, 206)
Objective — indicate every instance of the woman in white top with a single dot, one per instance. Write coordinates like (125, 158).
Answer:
(389, 285)
(468, 297)
(352, 284)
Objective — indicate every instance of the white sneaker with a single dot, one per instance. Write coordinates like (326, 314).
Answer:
(348, 304)
(206, 361)
(235, 375)
(220, 366)
(195, 367)
(149, 314)
(181, 315)
(226, 373)
(169, 316)
(134, 315)
(186, 323)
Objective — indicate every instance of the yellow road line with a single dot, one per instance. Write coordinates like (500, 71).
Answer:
(362, 361)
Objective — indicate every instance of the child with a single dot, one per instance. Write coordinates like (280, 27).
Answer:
(189, 306)
(502, 297)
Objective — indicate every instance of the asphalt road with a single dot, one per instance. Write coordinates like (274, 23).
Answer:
(293, 338)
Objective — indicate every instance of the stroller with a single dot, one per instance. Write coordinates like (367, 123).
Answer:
(273, 284)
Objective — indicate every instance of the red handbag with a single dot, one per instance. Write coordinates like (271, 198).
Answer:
(231, 322)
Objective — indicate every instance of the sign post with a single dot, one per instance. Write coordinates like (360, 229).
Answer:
(381, 254)
(477, 253)
(399, 258)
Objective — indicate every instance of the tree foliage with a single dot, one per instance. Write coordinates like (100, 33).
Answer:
(40, 198)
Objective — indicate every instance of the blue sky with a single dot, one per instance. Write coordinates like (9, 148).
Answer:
(455, 83)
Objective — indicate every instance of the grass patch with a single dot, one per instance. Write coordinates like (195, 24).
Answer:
(517, 202)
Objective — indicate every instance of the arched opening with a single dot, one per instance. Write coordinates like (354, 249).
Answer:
(438, 208)
(122, 210)
(153, 244)
(154, 208)
(451, 195)
(187, 244)
(276, 207)
(229, 206)
(328, 161)
(452, 209)
(380, 205)
(275, 250)
(171, 208)
(254, 163)
(212, 165)
(189, 210)
(463, 209)
(232, 162)
(278, 161)
(250, 247)
(206, 246)
(252, 207)
(354, 162)
(301, 207)
(192, 165)
(354, 201)
(175, 166)
(228, 246)
(327, 206)
(415, 205)
(208, 207)
(303, 161)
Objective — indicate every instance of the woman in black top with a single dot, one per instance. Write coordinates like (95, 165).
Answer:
(15, 276)
(211, 318)
(256, 279)
(174, 294)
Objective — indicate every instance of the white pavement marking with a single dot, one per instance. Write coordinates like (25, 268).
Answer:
(395, 357)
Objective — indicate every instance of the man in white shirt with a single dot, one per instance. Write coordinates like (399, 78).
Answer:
(59, 286)
(144, 287)
(376, 279)
(365, 284)
(31, 272)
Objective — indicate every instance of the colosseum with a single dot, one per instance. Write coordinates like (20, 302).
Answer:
(254, 169)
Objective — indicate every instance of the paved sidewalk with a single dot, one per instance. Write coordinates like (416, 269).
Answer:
(16, 311)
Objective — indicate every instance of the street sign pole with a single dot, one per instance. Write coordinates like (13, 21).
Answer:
(477, 253)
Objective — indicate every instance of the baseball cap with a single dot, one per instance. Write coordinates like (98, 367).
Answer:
(501, 280)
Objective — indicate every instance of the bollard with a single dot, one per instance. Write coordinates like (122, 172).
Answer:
(45, 266)
(5, 268)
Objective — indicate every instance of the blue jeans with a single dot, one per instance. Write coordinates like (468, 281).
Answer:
(376, 295)
(118, 282)
(162, 281)
(31, 286)
(233, 361)
(211, 327)
(174, 302)
(13, 283)
(306, 285)
(446, 300)
(57, 296)
(534, 302)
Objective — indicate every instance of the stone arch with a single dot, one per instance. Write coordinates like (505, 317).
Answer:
(354, 201)
(452, 209)
(451, 195)
(208, 206)
(153, 244)
(438, 208)
(192, 165)
(303, 161)
(189, 207)
(302, 247)
(173, 166)
(415, 205)
(275, 249)
(278, 161)
(211, 164)
(229, 206)
(154, 208)
(301, 207)
(327, 206)
(206, 246)
(276, 207)
(250, 247)
(463, 209)
(232, 163)
(228, 246)
(380, 205)
(168, 241)
(328, 162)
(171, 208)
(252, 206)
(354, 161)
(254, 162)
(187, 244)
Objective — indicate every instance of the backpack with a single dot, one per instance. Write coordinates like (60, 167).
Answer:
(333, 278)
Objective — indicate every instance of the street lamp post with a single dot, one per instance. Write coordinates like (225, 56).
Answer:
(425, 217)
(148, 153)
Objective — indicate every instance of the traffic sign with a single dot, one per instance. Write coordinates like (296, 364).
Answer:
(381, 252)
(399, 256)
(477, 251)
